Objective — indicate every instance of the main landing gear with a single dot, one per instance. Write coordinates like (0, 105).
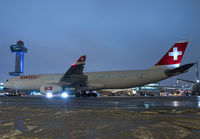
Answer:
(84, 94)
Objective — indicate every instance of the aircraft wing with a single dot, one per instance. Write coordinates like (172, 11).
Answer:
(74, 75)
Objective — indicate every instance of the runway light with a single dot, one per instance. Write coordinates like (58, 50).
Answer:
(49, 95)
(64, 95)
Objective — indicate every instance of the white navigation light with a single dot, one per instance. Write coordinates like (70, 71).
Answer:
(49, 95)
(64, 95)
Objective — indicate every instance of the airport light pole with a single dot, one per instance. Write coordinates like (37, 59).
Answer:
(197, 72)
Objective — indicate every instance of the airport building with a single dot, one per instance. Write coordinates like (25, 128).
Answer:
(157, 90)
(153, 89)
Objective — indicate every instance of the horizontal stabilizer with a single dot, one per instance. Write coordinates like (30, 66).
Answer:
(179, 70)
(185, 80)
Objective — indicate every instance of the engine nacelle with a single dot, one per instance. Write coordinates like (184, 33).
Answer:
(51, 88)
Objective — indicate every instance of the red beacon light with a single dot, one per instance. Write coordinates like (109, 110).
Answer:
(20, 43)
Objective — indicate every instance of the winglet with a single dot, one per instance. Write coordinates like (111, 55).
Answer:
(75, 69)
(80, 61)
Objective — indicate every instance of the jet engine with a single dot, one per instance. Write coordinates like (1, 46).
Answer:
(51, 88)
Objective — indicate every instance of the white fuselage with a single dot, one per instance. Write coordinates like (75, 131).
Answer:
(96, 80)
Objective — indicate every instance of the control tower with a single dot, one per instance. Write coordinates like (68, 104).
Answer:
(19, 51)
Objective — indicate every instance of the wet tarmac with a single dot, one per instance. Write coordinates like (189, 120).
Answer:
(100, 118)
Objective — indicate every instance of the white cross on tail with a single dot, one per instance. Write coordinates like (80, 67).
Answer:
(175, 53)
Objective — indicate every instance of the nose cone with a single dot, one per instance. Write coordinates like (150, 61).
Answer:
(4, 84)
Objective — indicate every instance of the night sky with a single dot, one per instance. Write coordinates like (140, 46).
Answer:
(114, 34)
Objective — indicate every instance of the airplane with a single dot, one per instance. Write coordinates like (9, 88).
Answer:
(75, 81)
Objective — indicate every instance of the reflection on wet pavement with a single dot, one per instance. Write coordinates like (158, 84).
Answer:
(58, 120)
(101, 123)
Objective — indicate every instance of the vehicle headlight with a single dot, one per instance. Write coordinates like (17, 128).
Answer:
(49, 95)
(64, 95)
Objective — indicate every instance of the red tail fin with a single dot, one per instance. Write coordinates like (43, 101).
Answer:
(173, 57)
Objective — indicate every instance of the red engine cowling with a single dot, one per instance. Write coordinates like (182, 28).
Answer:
(52, 88)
